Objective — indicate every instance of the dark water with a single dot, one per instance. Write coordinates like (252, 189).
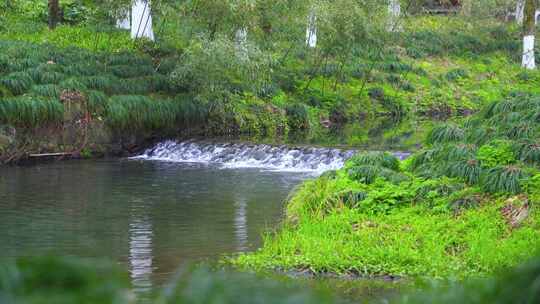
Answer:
(149, 216)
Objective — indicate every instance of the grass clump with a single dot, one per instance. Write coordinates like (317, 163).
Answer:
(31, 112)
(139, 113)
(17, 83)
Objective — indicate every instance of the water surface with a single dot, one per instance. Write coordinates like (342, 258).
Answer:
(149, 216)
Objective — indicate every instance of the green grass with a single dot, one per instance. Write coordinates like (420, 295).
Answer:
(31, 112)
(436, 214)
(411, 241)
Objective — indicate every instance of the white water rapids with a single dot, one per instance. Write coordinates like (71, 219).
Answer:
(245, 155)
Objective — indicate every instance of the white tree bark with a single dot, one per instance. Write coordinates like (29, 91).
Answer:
(520, 7)
(528, 61)
(394, 13)
(141, 16)
(241, 43)
(311, 31)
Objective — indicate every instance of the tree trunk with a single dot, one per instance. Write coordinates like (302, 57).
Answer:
(54, 13)
(466, 8)
(520, 6)
(241, 43)
(529, 29)
(394, 13)
(311, 31)
(141, 20)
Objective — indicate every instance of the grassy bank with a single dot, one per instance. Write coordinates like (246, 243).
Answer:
(464, 205)
(87, 75)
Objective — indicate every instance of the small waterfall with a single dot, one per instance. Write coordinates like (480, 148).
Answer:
(242, 155)
(245, 155)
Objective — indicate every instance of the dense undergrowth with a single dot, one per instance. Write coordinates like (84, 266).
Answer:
(464, 205)
(69, 280)
(437, 66)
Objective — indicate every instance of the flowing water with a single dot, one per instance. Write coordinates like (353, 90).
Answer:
(176, 203)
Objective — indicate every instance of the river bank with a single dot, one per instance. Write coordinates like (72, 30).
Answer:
(114, 97)
(463, 206)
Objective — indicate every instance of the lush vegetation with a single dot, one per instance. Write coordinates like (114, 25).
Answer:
(46, 280)
(196, 79)
(464, 205)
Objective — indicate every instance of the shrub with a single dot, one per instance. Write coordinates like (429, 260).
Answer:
(383, 159)
(297, 116)
(497, 153)
(17, 83)
(445, 133)
(456, 74)
(505, 179)
(467, 170)
(529, 152)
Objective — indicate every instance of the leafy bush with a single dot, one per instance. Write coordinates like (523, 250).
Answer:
(456, 74)
(297, 116)
(497, 153)
(215, 64)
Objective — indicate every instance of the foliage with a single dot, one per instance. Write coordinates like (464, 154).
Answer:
(518, 285)
(445, 133)
(201, 286)
(504, 179)
(61, 280)
(438, 213)
(496, 153)
(216, 65)
(30, 111)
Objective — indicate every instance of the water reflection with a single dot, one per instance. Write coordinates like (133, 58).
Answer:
(150, 216)
(240, 225)
(140, 250)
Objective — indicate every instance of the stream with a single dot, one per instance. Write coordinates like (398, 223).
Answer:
(177, 203)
